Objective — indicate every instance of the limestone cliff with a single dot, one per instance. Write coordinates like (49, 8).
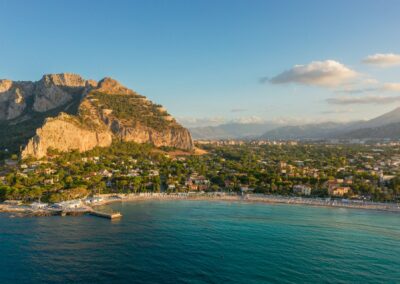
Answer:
(65, 133)
(13, 98)
(107, 111)
(56, 90)
(50, 92)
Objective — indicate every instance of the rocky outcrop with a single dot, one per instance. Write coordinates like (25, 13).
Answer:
(52, 91)
(111, 86)
(65, 133)
(56, 90)
(107, 111)
(178, 137)
(13, 97)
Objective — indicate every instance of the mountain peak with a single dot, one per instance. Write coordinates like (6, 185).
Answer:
(111, 86)
(64, 79)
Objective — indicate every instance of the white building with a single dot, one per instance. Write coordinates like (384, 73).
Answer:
(38, 205)
(94, 199)
(71, 204)
(302, 189)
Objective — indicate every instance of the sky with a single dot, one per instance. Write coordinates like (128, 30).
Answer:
(210, 62)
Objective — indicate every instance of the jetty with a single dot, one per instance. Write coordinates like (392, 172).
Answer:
(113, 215)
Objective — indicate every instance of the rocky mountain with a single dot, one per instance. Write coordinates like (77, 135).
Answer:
(66, 112)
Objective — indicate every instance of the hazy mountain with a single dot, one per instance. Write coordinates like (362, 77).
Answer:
(384, 126)
(391, 131)
(232, 130)
(307, 131)
(385, 119)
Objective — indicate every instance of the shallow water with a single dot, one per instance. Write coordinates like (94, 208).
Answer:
(204, 242)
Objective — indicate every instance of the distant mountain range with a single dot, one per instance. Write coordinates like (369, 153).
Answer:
(384, 126)
(233, 130)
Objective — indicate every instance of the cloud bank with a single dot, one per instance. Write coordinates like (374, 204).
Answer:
(349, 100)
(383, 60)
(385, 87)
(328, 73)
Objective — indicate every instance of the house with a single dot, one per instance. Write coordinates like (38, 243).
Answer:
(196, 182)
(154, 173)
(340, 191)
(71, 204)
(93, 200)
(13, 202)
(38, 205)
(246, 189)
(302, 189)
(385, 179)
(48, 181)
(105, 173)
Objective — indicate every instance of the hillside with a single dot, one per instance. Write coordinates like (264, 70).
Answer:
(66, 112)
(389, 131)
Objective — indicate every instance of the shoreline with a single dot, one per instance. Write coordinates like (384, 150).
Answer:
(267, 199)
(27, 211)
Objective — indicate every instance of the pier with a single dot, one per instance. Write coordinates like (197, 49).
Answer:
(114, 215)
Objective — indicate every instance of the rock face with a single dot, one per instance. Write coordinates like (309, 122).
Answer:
(13, 98)
(50, 92)
(178, 137)
(107, 111)
(56, 90)
(65, 133)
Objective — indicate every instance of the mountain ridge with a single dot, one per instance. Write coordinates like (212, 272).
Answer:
(66, 112)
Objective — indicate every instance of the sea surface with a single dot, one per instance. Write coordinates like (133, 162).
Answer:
(204, 242)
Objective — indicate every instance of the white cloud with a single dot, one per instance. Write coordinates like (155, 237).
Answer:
(391, 87)
(383, 60)
(350, 100)
(338, 111)
(328, 73)
(385, 87)
(250, 119)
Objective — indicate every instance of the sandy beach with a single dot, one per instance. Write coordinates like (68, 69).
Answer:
(260, 198)
(104, 199)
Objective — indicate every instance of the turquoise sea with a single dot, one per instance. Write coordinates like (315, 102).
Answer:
(204, 242)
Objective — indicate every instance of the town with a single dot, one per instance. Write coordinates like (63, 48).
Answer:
(353, 171)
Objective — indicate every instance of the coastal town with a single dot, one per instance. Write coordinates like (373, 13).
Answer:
(270, 171)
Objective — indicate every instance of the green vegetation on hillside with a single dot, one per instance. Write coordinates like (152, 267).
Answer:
(133, 108)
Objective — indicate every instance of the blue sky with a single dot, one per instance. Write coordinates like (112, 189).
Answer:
(205, 60)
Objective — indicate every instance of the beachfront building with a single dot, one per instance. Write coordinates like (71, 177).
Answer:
(93, 200)
(13, 202)
(302, 189)
(71, 204)
(38, 205)
(246, 189)
(197, 183)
